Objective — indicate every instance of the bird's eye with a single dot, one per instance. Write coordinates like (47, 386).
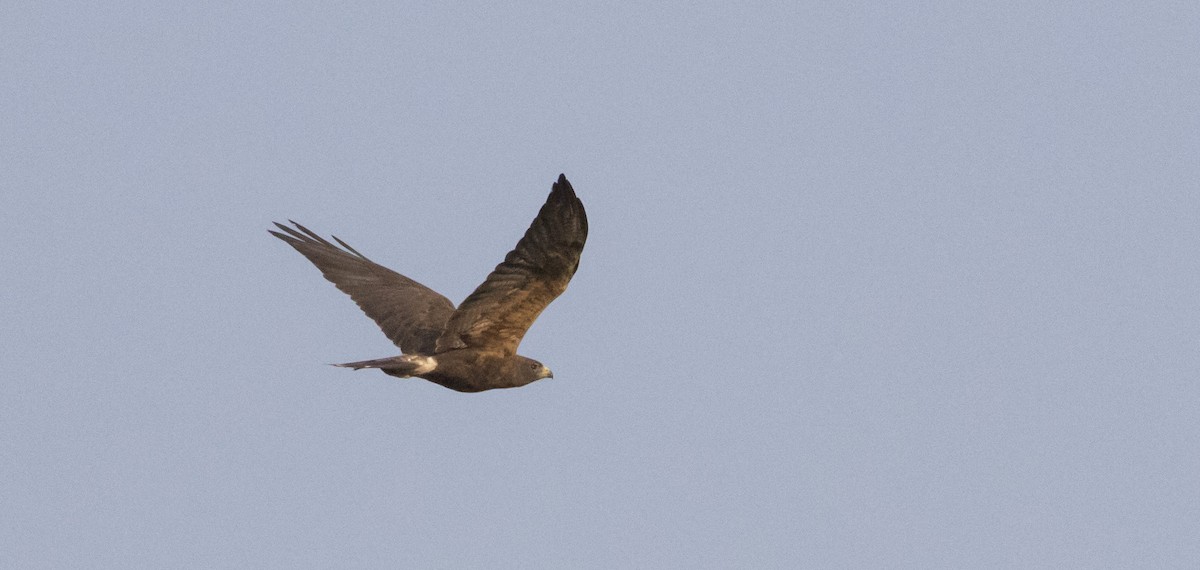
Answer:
(533, 366)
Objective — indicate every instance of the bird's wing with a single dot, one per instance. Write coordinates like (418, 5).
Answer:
(410, 314)
(497, 314)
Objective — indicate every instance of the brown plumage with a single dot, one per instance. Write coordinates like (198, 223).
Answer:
(474, 347)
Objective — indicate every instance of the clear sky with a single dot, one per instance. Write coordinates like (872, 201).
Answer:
(868, 284)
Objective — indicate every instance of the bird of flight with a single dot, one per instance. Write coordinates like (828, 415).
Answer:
(471, 348)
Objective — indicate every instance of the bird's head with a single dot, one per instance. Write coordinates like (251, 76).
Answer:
(530, 370)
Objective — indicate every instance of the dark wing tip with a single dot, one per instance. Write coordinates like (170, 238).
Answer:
(562, 195)
(562, 186)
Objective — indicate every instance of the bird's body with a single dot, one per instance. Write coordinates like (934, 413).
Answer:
(464, 370)
(473, 347)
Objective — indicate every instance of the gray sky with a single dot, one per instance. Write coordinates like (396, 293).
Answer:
(868, 285)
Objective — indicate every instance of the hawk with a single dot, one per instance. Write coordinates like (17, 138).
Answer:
(473, 347)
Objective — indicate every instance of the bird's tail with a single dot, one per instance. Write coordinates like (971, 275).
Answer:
(403, 365)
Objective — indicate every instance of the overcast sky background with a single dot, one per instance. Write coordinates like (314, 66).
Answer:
(868, 284)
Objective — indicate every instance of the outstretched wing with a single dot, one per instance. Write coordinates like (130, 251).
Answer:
(497, 314)
(410, 314)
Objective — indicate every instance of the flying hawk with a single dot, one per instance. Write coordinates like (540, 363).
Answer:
(474, 347)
